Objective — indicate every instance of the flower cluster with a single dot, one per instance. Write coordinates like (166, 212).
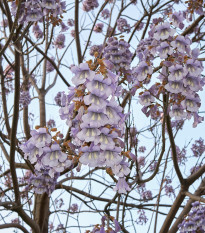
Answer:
(105, 14)
(198, 148)
(49, 66)
(96, 49)
(59, 41)
(25, 99)
(180, 73)
(119, 54)
(98, 27)
(123, 26)
(96, 120)
(46, 154)
(37, 31)
(89, 5)
(35, 10)
(195, 221)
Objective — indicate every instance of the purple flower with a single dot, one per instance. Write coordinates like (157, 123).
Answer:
(142, 70)
(40, 138)
(112, 156)
(174, 86)
(198, 148)
(177, 112)
(91, 156)
(98, 27)
(37, 31)
(95, 100)
(191, 103)
(89, 5)
(146, 99)
(192, 82)
(88, 134)
(53, 155)
(49, 4)
(59, 42)
(34, 15)
(163, 31)
(164, 50)
(82, 72)
(194, 68)
(100, 86)
(96, 118)
(121, 169)
(177, 19)
(71, 22)
(113, 111)
(177, 72)
(49, 66)
(123, 26)
(96, 49)
(181, 43)
(105, 14)
(64, 28)
(122, 186)
(25, 99)
(105, 139)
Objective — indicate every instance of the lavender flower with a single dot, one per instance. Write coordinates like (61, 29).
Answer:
(89, 5)
(59, 42)
(163, 31)
(37, 31)
(146, 99)
(71, 22)
(122, 186)
(177, 112)
(123, 26)
(25, 99)
(142, 70)
(105, 14)
(98, 27)
(49, 66)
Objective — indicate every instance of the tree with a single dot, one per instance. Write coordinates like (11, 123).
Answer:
(97, 157)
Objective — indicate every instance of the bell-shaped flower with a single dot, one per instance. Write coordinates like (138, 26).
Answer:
(53, 155)
(146, 98)
(88, 133)
(40, 138)
(113, 111)
(177, 72)
(105, 139)
(174, 87)
(178, 112)
(122, 186)
(194, 67)
(142, 70)
(91, 156)
(163, 31)
(95, 117)
(34, 15)
(192, 104)
(95, 100)
(177, 19)
(164, 50)
(192, 82)
(100, 86)
(82, 73)
(121, 169)
(49, 4)
(112, 157)
(181, 43)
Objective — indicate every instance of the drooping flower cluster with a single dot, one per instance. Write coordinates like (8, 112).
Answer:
(35, 10)
(195, 221)
(96, 120)
(119, 54)
(37, 31)
(180, 73)
(59, 41)
(123, 26)
(89, 5)
(48, 158)
(25, 99)
(49, 66)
